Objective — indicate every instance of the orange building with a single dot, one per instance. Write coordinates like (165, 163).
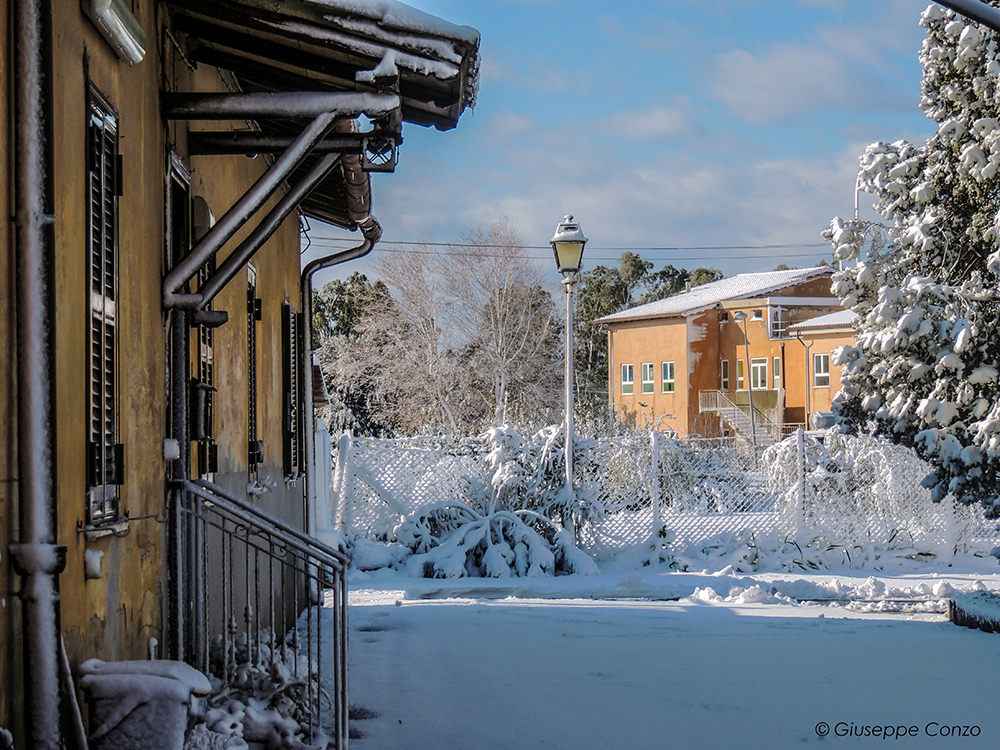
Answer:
(695, 361)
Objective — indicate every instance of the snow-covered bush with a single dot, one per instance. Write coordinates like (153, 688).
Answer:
(510, 513)
(263, 695)
(925, 371)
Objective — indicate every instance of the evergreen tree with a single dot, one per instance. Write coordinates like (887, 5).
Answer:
(925, 368)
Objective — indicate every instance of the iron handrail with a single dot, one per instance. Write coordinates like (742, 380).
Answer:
(282, 530)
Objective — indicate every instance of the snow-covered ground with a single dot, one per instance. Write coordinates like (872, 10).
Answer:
(658, 659)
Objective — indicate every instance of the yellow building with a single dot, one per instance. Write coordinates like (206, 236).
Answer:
(693, 362)
(158, 157)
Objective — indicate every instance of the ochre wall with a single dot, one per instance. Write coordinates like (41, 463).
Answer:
(115, 616)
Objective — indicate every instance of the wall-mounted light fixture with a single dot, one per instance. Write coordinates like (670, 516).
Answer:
(119, 26)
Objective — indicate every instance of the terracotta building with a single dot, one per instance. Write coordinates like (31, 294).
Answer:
(693, 361)
(160, 160)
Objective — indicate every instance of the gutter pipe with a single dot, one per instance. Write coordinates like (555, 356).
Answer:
(359, 211)
(261, 233)
(236, 217)
(36, 557)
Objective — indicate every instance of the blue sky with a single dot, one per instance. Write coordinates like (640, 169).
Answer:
(661, 124)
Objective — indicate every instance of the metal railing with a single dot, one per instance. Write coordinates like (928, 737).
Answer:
(767, 430)
(250, 589)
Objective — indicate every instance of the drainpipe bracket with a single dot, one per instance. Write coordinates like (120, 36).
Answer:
(31, 558)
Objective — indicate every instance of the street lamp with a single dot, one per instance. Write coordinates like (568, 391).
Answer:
(567, 246)
(741, 316)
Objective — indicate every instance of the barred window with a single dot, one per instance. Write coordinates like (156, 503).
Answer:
(105, 452)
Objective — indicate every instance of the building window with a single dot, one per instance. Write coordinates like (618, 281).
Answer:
(255, 453)
(758, 374)
(668, 377)
(756, 315)
(628, 379)
(821, 370)
(105, 453)
(724, 375)
(739, 375)
(647, 377)
(292, 386)
(776, 370)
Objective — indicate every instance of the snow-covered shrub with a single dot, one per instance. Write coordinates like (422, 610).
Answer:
(455, 541)
(699, 476)
(263, 695)
(518, 522)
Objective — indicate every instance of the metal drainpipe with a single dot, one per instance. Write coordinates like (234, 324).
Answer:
(375, 232)
(262, 232)
(37, 557)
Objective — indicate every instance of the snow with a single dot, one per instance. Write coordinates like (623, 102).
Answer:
(700, 298)
(653, 658)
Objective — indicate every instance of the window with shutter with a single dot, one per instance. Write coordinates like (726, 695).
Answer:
(105, 452)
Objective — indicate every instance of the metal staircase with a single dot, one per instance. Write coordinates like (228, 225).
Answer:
(737, 417)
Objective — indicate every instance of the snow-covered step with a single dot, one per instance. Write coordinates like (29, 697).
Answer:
(975, 609)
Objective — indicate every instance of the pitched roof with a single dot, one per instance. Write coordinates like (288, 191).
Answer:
(741, 286)
(839, 319)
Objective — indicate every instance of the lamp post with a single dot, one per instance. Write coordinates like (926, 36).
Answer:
(567, 246)
(741, 316)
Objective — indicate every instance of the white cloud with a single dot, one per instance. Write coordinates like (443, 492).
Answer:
(649, 123)
(788, 80)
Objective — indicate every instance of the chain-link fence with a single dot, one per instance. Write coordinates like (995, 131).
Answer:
(847, 491)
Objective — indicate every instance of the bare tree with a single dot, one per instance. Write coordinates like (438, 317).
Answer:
(460, 339)
(507, 318)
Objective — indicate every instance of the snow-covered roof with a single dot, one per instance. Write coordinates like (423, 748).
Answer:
(741, 286)
(839, 319)
(364, 47)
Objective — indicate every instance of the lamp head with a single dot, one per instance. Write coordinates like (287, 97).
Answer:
(567, 246)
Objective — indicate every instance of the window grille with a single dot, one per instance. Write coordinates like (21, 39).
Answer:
(105, 453)
(291, 330)
(255, 445)
(204, 388)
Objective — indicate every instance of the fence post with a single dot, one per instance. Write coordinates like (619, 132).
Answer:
(341, 482)
(800, 485)
(654, 479)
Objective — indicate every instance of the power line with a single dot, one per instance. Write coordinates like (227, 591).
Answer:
(387, 247)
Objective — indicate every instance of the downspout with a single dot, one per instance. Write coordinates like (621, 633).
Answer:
(359, 211)
(36, 557)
